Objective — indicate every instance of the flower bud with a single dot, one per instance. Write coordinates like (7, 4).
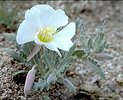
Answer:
(29, 81)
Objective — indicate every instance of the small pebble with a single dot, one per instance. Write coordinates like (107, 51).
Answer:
(82, 71)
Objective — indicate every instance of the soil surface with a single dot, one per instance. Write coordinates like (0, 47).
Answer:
(93, 13)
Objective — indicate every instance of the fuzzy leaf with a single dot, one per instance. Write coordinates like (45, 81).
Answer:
(95, 66)
(49, 59)
(98, 40)
(79, 53)
(51, 78)
(27, 47)
(18, 46)
(11, 37)
(82, 29)
(15, 55)
(67, 56)
(66, 60)
(83, 34)
(90, 44)
(46, 97)
(41, 84)
(102, 46)
(19, 72)
(48, 86)
(104, 56)
(68, 84)
(63, 67)
(70, 51)
(77, 23)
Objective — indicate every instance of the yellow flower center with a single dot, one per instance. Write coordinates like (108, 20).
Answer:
(46, 35)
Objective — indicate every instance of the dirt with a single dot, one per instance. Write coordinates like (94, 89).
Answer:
(90, 86)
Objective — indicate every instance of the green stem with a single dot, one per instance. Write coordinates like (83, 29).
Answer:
(47, 61)
(41, 53)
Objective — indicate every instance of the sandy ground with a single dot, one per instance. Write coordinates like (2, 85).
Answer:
(93, 13)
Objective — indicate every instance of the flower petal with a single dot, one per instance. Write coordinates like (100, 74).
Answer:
(59, 18)
(66, 33)
(51, 45)
(36, 39)
(33, 19)
(64, 45)
(56, 19)
(45, 14)
(25, 33)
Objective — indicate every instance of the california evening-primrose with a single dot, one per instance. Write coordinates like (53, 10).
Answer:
(41, 24)
(48, 27)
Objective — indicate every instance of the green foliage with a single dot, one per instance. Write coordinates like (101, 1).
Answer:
(26, 50)
(19, 73)
(46, 97)
(83, 35)
(49, 59)
(79, 53)
(94, 46)
(65, 62)
(99, 45)
(52, 67)
(77, 24)
(102, 46)
(67, 83)
(104, 56)
(22, 51)
(15, 55)
(10, 37)
(52, 78)
(98, 41)
(7, 17)
(41, 84)
(95, 66)
(90, 43)
(54, 72)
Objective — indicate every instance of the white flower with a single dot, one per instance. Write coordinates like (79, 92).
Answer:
(41, 24)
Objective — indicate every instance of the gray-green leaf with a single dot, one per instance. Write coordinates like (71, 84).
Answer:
(95, 66)
(104, 56)
(98, 40)
(19, 72)
(51, 78)
(46, 97)
(79, 53)
(68, 55)
(90, 44)
(41, 84)
(15, 55)
(68, 84)
(11, 37)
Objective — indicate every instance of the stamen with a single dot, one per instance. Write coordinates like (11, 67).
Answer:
(46, 35)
